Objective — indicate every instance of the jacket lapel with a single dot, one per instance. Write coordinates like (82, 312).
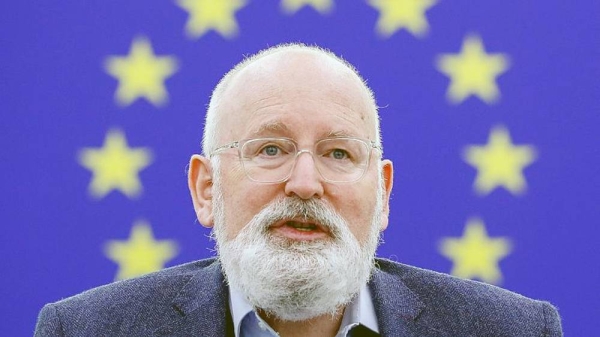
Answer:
(398, 308)
(201, 308)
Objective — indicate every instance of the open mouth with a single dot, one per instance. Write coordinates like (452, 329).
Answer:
(302, 226)
(300, 229)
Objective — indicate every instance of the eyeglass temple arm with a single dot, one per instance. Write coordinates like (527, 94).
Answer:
(375, 146)
(225, 147)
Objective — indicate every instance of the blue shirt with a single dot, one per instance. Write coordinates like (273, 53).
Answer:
(247, 323)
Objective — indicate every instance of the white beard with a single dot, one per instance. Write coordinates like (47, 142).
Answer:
(295, 280)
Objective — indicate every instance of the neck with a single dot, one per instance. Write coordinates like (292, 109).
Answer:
(320, 326)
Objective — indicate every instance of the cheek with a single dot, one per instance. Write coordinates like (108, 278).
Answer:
(243, 200)
(357, 207)
(364, 217)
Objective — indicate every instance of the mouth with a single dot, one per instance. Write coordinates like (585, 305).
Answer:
(300, 229)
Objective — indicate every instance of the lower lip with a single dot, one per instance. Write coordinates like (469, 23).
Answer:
(299, 235)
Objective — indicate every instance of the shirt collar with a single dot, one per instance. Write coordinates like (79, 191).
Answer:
(239, 308)
(359, 311)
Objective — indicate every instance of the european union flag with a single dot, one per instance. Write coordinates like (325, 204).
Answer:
(489, 110)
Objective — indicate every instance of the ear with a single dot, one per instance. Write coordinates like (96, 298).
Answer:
(200, 185)
(387, 172)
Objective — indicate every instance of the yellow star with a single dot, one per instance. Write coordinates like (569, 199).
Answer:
(499, 163)
(115, 166)
(476, 255)
(141, 254)
(218, 15)
(473, 72)
(399, 14)
(141, 74)
(292, 6)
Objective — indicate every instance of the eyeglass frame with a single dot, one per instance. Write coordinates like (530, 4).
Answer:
(238, 144)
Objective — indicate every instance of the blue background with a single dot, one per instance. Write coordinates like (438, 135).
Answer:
(56, 99)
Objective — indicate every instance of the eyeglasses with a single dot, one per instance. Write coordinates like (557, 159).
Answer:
(271, 160)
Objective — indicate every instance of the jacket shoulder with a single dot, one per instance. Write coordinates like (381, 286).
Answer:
(128, 305)
(466, 305)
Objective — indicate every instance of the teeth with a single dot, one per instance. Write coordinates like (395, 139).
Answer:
(301, 226)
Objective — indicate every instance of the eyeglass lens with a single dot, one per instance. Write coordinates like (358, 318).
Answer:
(273, 159)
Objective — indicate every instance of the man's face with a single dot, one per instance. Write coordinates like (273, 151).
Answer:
(306, 98)
(303, 247)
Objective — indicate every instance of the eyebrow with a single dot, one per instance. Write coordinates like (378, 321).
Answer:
(272, 127)
(340, 133)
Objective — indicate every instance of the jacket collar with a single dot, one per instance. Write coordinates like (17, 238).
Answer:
(398, 308)
(202, 305)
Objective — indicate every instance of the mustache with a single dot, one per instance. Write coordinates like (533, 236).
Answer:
(310, 210)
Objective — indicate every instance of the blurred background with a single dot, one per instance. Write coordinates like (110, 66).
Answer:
(490, 111)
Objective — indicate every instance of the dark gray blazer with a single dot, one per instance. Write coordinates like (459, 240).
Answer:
(192, 300)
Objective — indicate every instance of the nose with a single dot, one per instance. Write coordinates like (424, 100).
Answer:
(305, 181)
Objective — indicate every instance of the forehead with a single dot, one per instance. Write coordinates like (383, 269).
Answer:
(280, 91)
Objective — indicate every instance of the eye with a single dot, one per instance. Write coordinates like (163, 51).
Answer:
(339, 154)
(270, 150)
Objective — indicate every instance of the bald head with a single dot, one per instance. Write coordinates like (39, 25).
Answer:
(274, 76)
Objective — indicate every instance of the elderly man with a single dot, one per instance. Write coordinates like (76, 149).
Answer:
(294, 186)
